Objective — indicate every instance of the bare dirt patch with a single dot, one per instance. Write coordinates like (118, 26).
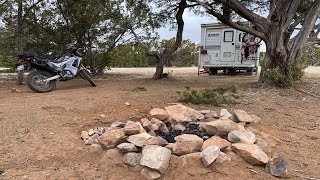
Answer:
(40, 133)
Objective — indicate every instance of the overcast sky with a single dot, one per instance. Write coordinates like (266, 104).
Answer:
(192, 27)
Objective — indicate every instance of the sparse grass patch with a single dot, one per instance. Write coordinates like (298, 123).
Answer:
(215, 96)
(139, 88)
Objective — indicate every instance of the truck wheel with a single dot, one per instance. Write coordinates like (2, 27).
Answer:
(213, 71)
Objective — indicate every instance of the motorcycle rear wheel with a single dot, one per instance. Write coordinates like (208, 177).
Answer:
(86, 75)
(35, 81)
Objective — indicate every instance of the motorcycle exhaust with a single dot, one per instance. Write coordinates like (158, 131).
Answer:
(52, 78)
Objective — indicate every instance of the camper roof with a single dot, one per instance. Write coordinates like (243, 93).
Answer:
(220, 25)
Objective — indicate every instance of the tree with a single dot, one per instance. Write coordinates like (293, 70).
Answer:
(276, 30)
(168, 9)
(185, 55)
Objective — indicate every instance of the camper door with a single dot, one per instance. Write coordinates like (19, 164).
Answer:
(228, 45)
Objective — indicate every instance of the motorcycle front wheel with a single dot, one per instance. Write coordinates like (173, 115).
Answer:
(86, 75)
(35, 81)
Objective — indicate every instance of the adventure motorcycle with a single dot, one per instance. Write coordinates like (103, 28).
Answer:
(47, 72)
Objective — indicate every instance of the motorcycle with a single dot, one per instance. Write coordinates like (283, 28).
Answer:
(47, 72)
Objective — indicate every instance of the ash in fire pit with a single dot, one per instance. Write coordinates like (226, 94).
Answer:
(191, 128)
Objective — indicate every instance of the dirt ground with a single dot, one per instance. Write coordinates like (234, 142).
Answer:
(40, 133)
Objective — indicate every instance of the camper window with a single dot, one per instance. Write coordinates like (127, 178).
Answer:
(228, 36)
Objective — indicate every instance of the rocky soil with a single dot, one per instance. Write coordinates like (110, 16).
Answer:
(40, 133)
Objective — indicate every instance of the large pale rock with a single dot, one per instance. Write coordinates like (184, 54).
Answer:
(127, 147)
(181, 113)
(150, 174)
(251, 153)
(222, 158)
(157, 141)
(225, 113)
(159, 114)
(217, 141)
(209, 155)
(187, 143)
(242, 136)
(132, 128)
(112, 138)
(221, 127)
(132, 159)
(139, 139)
(242, 116)
(146, 124)
(156, 157)
(278, 166)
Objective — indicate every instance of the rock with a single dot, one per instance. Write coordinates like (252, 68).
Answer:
(181, 113)
(159, 125)
(95, 145)
(242, 116)
(118, 124)
(209, 155)
(222, 158)
(241, 126)
(139, 139)
(127, 147)
(112, 138)
(114, 153)
(221, 127)
(212, 114)
(84, 135)
(242, 136)
(99, 130)
(102, 115)
(91, 140)
(127, 103)
(14, 90)
(159, 114)
(88, 141)
(152, 133)
(179, 127)
(187, 143)
(150, 174)
(225, 113)
(146, 124)
(131, 159)
(154, 127)
(157, 141)
(278, 166)
(251, 153)
(255, 118)
(170, 146)
(156, 157)
(132, 128)
(204, 112)
(91, 132)
(217, 141)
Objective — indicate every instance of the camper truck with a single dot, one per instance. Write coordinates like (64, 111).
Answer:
(227, 49)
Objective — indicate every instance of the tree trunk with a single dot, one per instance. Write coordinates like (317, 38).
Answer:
(20, 27)
(159, 70)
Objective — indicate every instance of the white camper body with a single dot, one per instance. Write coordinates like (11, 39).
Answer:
(221, 48)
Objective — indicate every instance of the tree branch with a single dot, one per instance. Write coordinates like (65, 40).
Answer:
(224, 19)
(28, 10)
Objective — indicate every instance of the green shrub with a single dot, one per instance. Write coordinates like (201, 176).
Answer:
(216, 96)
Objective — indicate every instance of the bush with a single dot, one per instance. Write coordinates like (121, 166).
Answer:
(295, 72)
(216, 96)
